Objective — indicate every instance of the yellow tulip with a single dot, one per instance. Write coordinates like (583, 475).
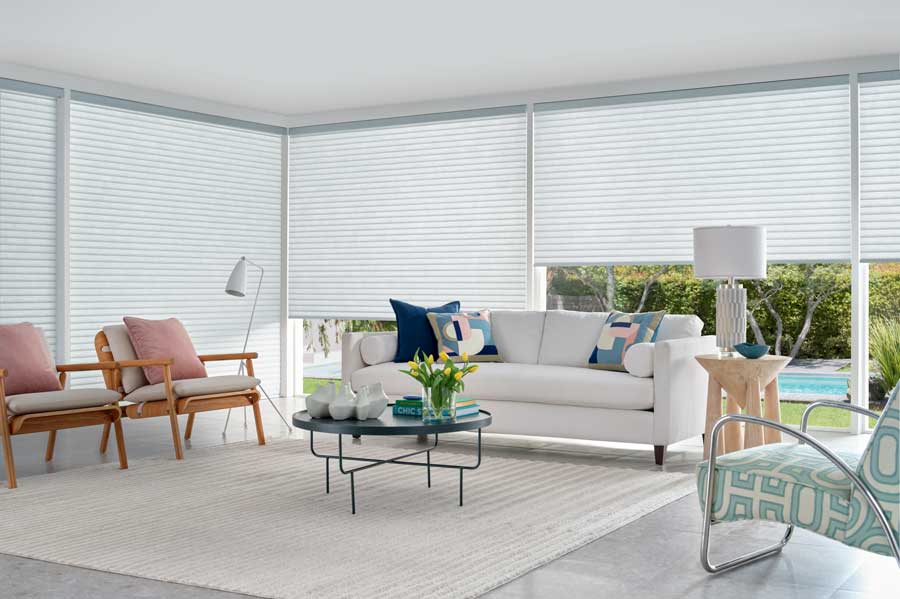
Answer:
(465, 356)
(447, 371)
(412, 364)
(474, 368)
(444, 356)
(430, 359)
(458, 375)
(415, 373)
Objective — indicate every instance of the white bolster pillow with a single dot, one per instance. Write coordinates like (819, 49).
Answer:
(639, 360)
(378, 349)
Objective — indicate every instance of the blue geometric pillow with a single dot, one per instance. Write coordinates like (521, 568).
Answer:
(465, 332)
(620, 332)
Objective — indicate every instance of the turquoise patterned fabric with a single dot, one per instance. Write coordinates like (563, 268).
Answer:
(795, 484)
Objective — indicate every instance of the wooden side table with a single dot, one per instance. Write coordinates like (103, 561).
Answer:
(742, 380)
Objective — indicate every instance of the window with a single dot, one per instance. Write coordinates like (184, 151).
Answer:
(425, 209)
(161, 209)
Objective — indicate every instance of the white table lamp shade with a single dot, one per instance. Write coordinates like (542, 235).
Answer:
(237, 282)
(730, 252)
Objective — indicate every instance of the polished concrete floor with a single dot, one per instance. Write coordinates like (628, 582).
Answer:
(653, 557)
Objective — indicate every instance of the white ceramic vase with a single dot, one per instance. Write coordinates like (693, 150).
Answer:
(344, 404)
(374, 399)
(318, 401)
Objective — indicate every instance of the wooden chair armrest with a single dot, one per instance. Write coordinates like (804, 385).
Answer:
(2, 372)
(220, 357)
(148, 362)
(83, 367)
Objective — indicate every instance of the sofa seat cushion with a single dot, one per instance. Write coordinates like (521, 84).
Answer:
(155, 392)
(193, 387)
(558, 385)
(54, 401)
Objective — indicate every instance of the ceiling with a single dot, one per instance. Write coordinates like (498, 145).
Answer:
(293, 57)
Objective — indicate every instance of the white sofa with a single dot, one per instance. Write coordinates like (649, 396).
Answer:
(544, 388)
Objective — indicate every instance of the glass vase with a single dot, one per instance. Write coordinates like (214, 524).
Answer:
(438, 404)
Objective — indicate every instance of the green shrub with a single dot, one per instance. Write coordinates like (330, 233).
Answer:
(884, 345)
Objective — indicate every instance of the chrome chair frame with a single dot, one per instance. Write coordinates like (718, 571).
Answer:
(803, 437)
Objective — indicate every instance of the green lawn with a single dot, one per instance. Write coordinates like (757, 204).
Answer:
(790, 411)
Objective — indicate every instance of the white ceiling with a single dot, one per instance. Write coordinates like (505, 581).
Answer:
(294, 57)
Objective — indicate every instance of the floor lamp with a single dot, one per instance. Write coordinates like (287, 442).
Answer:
(237, 286)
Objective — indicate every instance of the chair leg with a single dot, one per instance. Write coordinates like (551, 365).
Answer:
(51, 445)
(260, 434)
(176, 436)
(120, 445)
(190, 426)
(8, 455)
(104, 438)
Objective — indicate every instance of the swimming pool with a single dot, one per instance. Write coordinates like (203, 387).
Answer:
(813, 384)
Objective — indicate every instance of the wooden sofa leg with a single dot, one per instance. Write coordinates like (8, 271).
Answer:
(260, 434)
(104, 438)
(120, 445)
(659, 452)
(190, 426)
(51, 445)
(8, 455)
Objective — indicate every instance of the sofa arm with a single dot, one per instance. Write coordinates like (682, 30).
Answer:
(679, 388)
(351, 352)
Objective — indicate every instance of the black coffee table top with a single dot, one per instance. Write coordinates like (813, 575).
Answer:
(388, 424)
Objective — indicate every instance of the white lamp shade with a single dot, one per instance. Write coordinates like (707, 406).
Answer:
(730, 251)
(237, 282)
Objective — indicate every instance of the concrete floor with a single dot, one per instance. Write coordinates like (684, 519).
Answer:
(655, 556)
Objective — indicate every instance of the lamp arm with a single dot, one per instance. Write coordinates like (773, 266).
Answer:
(262, 273)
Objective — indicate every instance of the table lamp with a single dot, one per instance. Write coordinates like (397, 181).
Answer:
(730, 253)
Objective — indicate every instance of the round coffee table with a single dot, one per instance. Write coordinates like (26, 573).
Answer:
(394, 426)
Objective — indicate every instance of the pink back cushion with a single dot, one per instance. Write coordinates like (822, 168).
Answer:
(24, 355)
(155, 339)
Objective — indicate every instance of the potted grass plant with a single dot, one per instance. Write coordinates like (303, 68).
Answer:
(884, 346)
(441, 380)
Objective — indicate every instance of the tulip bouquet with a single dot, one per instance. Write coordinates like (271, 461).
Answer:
(441, 381)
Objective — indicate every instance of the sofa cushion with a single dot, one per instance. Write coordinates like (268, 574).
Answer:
(53, 401)
(639, 359)
(213, 384)
(679, 326)
(413, 330)
(465, 333)
(376, 349)
(160, 339)
(518, 335)
(24, 355)
(620, 332)
(569, 337)
(122, 349)
(548, 384)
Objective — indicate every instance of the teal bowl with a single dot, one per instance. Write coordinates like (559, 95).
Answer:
(751, 350)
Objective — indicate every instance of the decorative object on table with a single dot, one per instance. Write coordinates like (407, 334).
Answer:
(753, 351)
(371, 401)
(237, 286)
(730, 253)
(318, 401)
(339, 402)
(851, 497)
(343, 405)
(441, 382)
(413, 407)
(413, 330)
(465, 333)
(742, 379)
(620, 332)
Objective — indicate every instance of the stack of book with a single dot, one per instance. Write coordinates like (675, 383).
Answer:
(411, 405)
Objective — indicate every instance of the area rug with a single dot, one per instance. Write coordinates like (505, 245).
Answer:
(256, 520)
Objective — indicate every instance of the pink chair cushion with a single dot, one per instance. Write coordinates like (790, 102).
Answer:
(155, 339)
(24, 355)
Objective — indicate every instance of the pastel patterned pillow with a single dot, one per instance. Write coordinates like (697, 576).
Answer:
(620, 332)
(465, 332)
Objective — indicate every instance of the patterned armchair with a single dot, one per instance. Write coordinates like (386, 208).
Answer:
(853, 498)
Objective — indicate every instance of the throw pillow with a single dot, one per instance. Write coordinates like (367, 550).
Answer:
(24, 355)
(156, 339)
(465, 332)
(414, 331)
(620, 332)
(639, 360)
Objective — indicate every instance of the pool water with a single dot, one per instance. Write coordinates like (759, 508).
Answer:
(814, 384)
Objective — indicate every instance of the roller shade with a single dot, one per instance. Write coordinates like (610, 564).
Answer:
(624, 180)
(161, 209)
(879, 153)
(28, 233)
(426, 209)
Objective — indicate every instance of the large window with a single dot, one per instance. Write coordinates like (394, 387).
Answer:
(161, 209)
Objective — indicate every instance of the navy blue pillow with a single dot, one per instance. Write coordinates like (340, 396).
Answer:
(413, 329)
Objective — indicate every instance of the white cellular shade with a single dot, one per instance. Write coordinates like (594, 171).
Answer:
(880, 170)
(28, 211)
(624, 181)
(161, 208)
(421, 210)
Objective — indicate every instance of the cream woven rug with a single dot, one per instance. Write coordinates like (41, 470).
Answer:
(256, 520)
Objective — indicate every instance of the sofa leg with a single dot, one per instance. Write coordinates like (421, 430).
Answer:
(659, 452)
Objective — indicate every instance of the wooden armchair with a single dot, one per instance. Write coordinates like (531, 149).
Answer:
(51, 411)
(171, 398)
